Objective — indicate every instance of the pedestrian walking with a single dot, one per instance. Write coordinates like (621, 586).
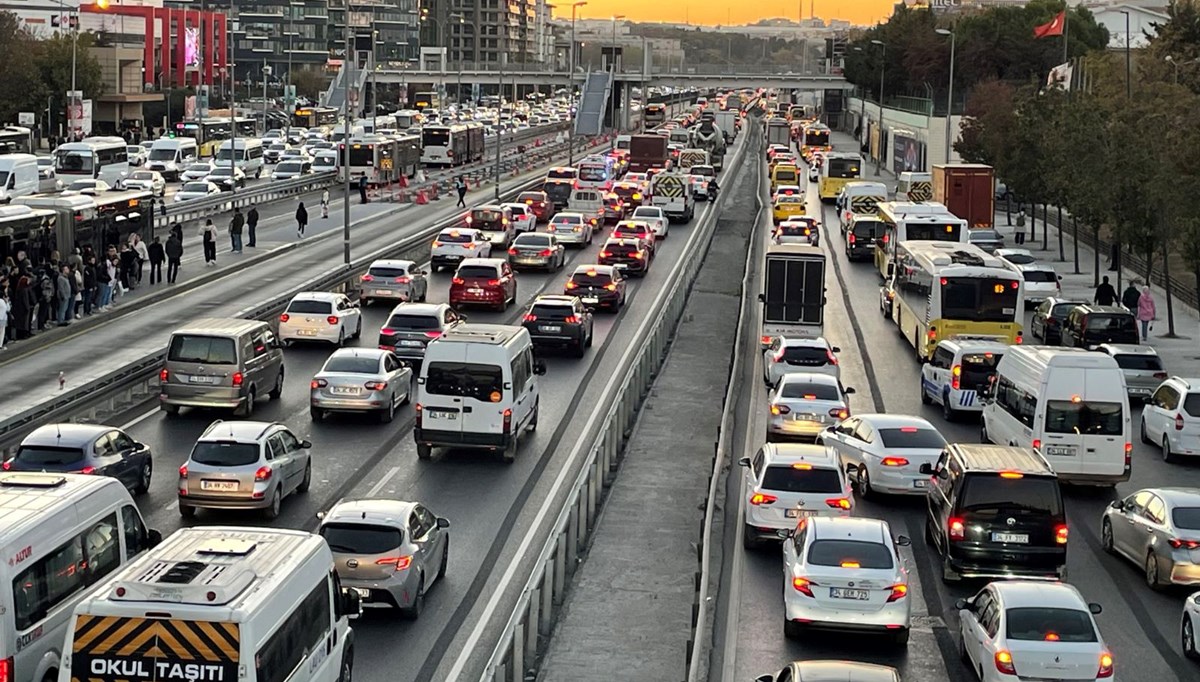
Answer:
(301, 219)
(104, 281)
(177, 230)
(252, 224)
(1129, 297)
(362, 186)
(128, 264)
(174, 252)
(1146, 312)
(62, 294)
(235, 230)
(1105, 293)
(157, 256)
(22, 303)
(5, 309)
(142, 252)
(325, 205)
(460, 186)
(208, 236)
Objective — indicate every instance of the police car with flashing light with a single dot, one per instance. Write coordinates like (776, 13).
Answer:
(958, 371)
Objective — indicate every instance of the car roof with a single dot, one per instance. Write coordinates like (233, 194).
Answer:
(850, 528)
(555, 299)
(987, 458)
(894, 421)
(374, 511)
(796, 342)
(808, 378)
(1104, 309)
(1177, 495)
(238, 431)
(568, 214)
(65, 435)
(964, 345)
(844, 671)
(393, 263)
(455, 231)
(363, 352)
(419, 308)
(1127, 349)
(800, 453)
(622, 241)
(1035, 594)
(487, 207)
(327, 296)
(597, 268)
(485, 262)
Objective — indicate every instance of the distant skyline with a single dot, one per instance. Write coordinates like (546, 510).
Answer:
(714, 12)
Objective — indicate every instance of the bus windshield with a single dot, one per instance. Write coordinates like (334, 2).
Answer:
(161, 154)
(816, 138)
(435, 138)
(979, 299)
(843, 168)
(76, 162)
(362, 155)
(939, 232)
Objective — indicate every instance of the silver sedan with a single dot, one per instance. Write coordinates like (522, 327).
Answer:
(361, 380)
(1158, 529)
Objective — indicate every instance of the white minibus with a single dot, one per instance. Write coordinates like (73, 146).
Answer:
(246, 152)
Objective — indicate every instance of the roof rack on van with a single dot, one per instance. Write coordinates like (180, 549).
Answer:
(32, 480)
(205, 576)
(1001, 458)
(480, 333)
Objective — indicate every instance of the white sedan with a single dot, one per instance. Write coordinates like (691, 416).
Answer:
(147, 181)
(87, 186)
(196, 190)
(523, 219)
(197, 171)
(791, 356)
(845, 574)
(320, 316)
(653, 215)
(885, 452)
(789, 481)
(1035, 631)
(1190, 626)
(227, 178)
(288, 169)
(804, 405)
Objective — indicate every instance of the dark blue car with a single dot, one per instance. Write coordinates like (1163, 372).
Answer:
(86, 449)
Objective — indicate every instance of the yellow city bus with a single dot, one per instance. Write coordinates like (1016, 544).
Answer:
(908, 221)
(948, 289)
(815, 137)
(838, 169)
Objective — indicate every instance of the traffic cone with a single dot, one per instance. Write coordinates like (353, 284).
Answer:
(421, 198)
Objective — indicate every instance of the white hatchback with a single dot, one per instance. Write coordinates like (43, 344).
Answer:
(1171, 418)
(655, 217)
(455, 244)
(320, 316)
(786, 482)
(885, 452)
(523, 218)
(792, 356)
(802, 406)
(845, 574)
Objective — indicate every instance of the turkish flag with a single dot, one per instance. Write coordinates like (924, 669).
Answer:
(1054, 28)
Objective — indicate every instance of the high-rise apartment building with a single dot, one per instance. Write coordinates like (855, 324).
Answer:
(477, 32)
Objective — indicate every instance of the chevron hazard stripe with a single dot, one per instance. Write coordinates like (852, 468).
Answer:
(865, 205)
(668, 186)
(120, 649)
(920, 191)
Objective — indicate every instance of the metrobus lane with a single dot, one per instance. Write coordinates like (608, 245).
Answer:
(356, 457)
(1141, 626)
(758, 575)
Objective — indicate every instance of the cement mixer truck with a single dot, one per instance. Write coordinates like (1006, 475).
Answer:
(710, 138)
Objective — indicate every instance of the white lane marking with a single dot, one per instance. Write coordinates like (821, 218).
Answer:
(138, 420)
(173, 504)
(383, 481)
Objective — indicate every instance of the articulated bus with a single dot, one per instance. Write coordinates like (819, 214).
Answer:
(838, 169)
(655, 114)
(209, 133)
(945, 289)
(315, 117)
(100, 221)
(814, 138)
(27, 229)
(907, 221)
(452, 145)
(382, 157)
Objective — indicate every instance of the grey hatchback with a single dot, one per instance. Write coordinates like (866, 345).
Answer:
(85, 449)
(244, 465)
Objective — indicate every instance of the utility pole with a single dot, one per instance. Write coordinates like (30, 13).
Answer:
(500, 128)
(73, 24)
(949, 91)
(882, 72)
(349, 66)
(571, 78)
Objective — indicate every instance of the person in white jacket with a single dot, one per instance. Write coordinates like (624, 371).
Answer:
(208, 235)
(4, 308)
(143, 254)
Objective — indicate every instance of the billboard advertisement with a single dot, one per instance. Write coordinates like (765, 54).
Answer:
(908, 153)
(191, 48)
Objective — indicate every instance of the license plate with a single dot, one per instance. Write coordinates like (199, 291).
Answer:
(223, 486)
(591, 300)
(438, 415)
(197, 379)
(411, 344)
(306, 332)
(475, 292)
(363, 592)
(920, 483)
(382, 292)
(1011, 538)
(1141, 391)
(847, 593)
(344, 390)
(551, 328)
(1060, 450)
(797, 513)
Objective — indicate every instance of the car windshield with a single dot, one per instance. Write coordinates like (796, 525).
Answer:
(477, 272)
(199, 168)
(455, 237)
(311, 307)
(222, 171)
(41, 455)
(225, 454)
(1040, 276)
(1085, 417)
(633, 230)
(805, 390)
(465, 379)
(808, 355)
(353, 538)
(983, 235)
(801, 479)
(198, 187)
(552, 311)
(646, 213)
(1111, 323)
(1186, 518)
(352, 364)
(567, 220)
(850, 554)
(207, 350)
(912, 437)
(483, 215)
(1148, 363)
(795, 229)
(289, 167)
(978, 369)
(162, 154)
(1041, 624)
(1191, 404)
(386, 271)
(1061, 310)
(589, 280)
(530, 196)
(991, 495)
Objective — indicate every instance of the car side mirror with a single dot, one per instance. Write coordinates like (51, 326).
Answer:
(849, 390)
(964, 605)
(903, 540)
(153, 537)
(320, 516)
(539, 367)
(351, 603)
(306, 443)
(926, 469)
(765, 678)
(443, 522)
(745, 461)
(762, 298)
(1095, 608)
(835, 349)
(420, 381)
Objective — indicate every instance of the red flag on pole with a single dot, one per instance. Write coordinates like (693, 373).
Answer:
(1054, 28)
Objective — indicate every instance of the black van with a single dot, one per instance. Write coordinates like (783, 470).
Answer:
(1088, 326)
(861, 236)
(995, 512)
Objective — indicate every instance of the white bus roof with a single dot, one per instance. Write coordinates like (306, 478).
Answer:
(89, 143)
(943, 254)
(28, 499)
(1037, 358)
(915, 208)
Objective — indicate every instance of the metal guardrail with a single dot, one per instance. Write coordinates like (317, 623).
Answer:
(527, 632)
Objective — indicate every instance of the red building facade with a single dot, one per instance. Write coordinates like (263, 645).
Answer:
(164, 25)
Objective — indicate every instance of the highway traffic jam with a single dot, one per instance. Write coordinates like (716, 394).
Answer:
(1020, 468)
(303, 472)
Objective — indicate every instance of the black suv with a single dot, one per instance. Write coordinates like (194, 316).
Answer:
(861, 236)
(995, 512)
(560, 321)
(630, 255)
(1048, 319)
(597, 286)
(1088, 326)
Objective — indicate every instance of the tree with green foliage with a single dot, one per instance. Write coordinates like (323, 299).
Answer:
(19, 78)
(1179, 39)
(53, 58)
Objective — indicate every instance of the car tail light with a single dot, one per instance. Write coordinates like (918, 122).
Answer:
(571, 285)
(1004, 662)
(163, 375)
(418, 409)
(399, 563)
(318, 383)
(831, 357)
(369, 278)
(1178, 422)
(1060, 533)
(762, 498)
(571, 319)
(88, 470)
(1106, 665)
(6, 669)
(932, 333)
(956, 377)
(403, 279)
(605, 254)
(529, 202)
(263, 474)
(332, 320)
(839, 413)
(838, 503)
(507, 421)
(1177, 543)
(780, 409)
(545, 253)
(458, 280)
(765, 339)
(638, 255)
(1020, 338)
(376, 385)
(436, 243)
(387, 331)
(6, 466)
(851, 238)
(182, 471)
(529, 317)
(512, 251)
(493, 283)
(803, 586)
(895, 462)
(899, 592)
(611, 286)
(238, 378)
(956, 529)
(284, 317)
(1160, 375)
(1037, 443)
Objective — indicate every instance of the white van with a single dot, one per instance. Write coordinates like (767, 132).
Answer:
(18, 176)
(218, 604)
(1067, 403)
(478, 388)
(61, 534)
(858, 199)
(247, 154)
(325, 160)
(172, 155)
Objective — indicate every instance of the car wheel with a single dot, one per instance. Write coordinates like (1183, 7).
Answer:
(792, 629)
(864, 484)
(358, 328)
(445, 560)
(1151, 572)
(929, 533)
(317, 414)
(277, 392)
(272, 510)
(248, 406)
(1188, 636)
(171, 410)
(949, 575)
(187, 511)
(749, 538)
(341, 340)
(143, 484)
(306, 483)
(1167, 455)
(962, 648)
(948, 413)
(1106, 536)
(580, 348)
(590, 336)
(413, 612)
(925, 399)
(387, 414)
(1145, 436)
(424, 452)
(509, 454)
(347, 671)
(983, 434)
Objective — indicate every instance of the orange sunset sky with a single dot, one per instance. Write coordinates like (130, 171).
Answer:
(714, 12)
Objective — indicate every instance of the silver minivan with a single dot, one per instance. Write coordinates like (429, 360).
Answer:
(244, 465)
(221, 363)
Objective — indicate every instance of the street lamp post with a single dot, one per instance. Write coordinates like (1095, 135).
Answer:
(882, 72)
(612, 67)
(1172, 62)
(500, 128)
(1128, 59)
(74, 26)
(571, 77)
(351, 57)
(949, 89)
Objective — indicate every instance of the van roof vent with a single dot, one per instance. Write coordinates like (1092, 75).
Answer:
(966, 258)
(181, 573)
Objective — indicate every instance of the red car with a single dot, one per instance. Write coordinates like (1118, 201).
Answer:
(539, 203)
(485, 282)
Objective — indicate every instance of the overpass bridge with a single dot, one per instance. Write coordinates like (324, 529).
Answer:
(736, 77)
